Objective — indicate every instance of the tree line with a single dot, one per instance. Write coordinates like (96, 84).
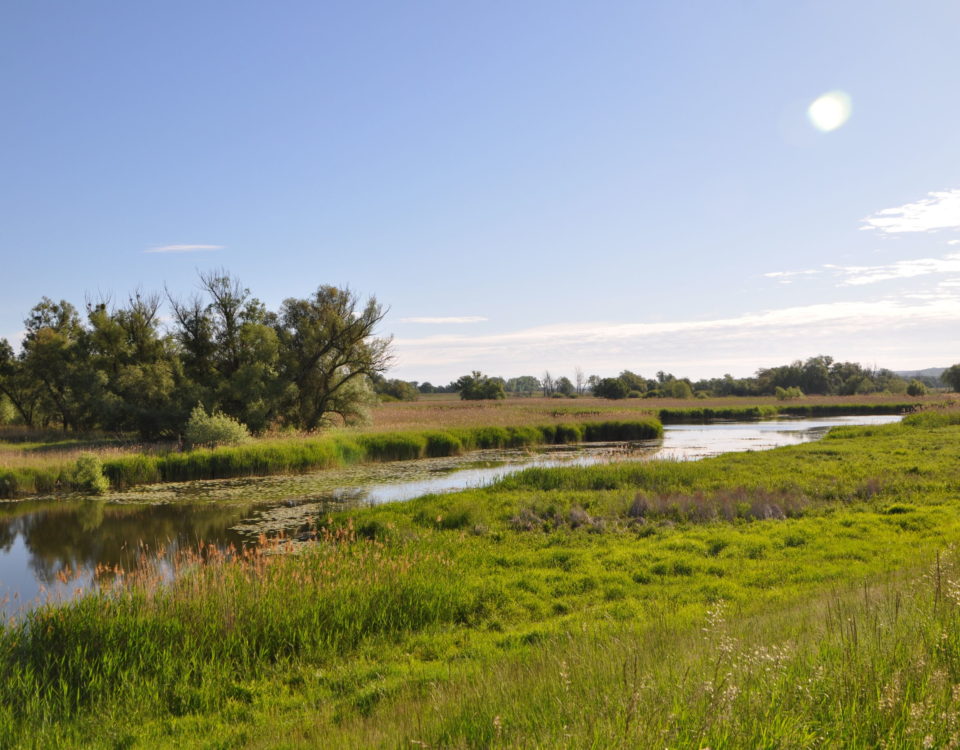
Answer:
(820, 375)
(119, 368)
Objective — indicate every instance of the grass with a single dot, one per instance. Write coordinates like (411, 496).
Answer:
(449, 411)
(51, 474)
(36, 462)
(767, 599)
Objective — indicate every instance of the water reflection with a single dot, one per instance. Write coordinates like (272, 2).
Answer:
(40, 539)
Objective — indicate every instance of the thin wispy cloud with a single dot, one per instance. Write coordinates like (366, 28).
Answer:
(184, 248)
(940, 210)
(862, 275)
(447, 320)
(903, 269)
(788, 277)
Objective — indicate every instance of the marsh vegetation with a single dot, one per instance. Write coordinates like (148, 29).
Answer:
(760, 598)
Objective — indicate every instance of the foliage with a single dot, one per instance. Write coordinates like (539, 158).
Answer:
(328, 343)
(397, 390)
(916, 388)
(118, 371)
(88, 475)
(211, 430)
(677, 389)
(564, 386)
(788, 394)
(612, 388)
(951, 376)
(263, 457)
(7, 412)
(477, 386)
(633, 381)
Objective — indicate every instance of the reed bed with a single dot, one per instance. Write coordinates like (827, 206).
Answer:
(264, 457)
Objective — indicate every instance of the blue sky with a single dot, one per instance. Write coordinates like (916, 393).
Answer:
(526, 185)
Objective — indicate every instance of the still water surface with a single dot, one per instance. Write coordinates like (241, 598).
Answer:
(39, 539)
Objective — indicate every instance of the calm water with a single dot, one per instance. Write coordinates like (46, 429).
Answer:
(41, 539)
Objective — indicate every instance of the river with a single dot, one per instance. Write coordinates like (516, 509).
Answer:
(50, 548)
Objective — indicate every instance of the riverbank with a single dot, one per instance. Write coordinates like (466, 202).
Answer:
(297, 455)
(746, 600)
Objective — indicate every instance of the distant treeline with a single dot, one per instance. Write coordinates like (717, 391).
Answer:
(822, 376)
(116, 368)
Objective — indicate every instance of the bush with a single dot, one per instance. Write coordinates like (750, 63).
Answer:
(784, 394)
(916, 388)
(611, 388)
(214, 429)
(678, 389)
(88, 475)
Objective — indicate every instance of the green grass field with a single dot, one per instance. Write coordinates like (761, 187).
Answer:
(802, 597)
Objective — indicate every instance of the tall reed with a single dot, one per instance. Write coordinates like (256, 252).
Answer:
(266, 457)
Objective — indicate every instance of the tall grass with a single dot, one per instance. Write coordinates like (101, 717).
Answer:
(190, 645)
(867, 665)
(266, 457)
(451, 622)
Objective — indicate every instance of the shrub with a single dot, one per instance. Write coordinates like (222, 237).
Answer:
(916, 388)
(88, 475)
(214, 429)
(611, 388)
(783, 394)
(678, 389)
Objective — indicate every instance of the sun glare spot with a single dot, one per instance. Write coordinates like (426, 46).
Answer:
(830, 111)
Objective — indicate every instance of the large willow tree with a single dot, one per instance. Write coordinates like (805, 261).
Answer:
(329, 352)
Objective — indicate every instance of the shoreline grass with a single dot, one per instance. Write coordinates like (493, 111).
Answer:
(265, 457)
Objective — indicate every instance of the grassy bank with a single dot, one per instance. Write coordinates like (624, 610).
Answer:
(719, 603)
(264, 457)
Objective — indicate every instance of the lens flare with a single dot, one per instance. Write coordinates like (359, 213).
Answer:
(830, 111)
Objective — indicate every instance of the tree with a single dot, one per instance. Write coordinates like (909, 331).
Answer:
(547, 384)
(677, 389)
(610, 388)
(137, 365)
(477, 386)
(53, 357)
(328, 353)
(230, 350)
(399, 390)
(21, 390)
(565, 386)
(633, 381)
(951, 376)
(580, 380)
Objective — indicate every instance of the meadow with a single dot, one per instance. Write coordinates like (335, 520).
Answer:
(801, 597)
